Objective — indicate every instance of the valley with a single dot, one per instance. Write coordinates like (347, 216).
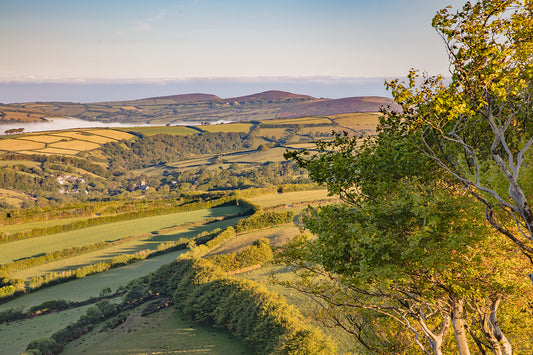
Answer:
(86, 213)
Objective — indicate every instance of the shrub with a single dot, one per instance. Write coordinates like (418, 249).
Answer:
(44, 346)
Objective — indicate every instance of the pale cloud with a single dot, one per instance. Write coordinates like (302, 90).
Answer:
(145, 24)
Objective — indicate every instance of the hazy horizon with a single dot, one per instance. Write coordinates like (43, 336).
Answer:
(18, 92)
(60, 50)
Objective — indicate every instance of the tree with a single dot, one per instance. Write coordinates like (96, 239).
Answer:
(479, 125)
(406, 244)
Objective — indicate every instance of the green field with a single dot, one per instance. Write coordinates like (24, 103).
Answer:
(278, 236)
(274, 154)
(149, 242)
(90, 286)
(15, 228)
(14, 336)
(164, 332)
(108, 232)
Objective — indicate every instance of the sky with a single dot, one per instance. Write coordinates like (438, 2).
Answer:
(340, 46)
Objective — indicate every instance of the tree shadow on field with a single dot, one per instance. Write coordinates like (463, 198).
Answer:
(150, 242)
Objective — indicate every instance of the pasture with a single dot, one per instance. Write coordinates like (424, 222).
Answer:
(128, 247)
(164, 332)
(82, 289)
(107, 232)
(278, 236)
(68, 142)
(14, 336)
(227, 127)
(292, 198)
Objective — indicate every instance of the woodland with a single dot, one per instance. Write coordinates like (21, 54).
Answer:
(407, 232)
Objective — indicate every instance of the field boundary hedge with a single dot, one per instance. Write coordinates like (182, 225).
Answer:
(94, 221)
(199, 245)
(260, 318)
(202, 290)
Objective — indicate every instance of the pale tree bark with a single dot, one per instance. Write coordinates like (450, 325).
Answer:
(458, 322)
(493, 333)
(435, 339)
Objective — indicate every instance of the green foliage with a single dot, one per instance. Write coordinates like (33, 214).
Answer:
(411, 241)
(258, 253)
(156, 149)
(478, 125)
(43, 346)
(262, 219)
(250, 312)
(51, 305)
(11, 314)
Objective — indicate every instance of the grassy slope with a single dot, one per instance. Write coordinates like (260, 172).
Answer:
(90, 286)
(35, 246)
(14, 336)
(164, 332)
(133, 246)
(292, 198)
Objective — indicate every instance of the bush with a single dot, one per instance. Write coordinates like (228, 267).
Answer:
(44, 346)
(247, 310)
(257, 253)
(51, 305)
(262, 219)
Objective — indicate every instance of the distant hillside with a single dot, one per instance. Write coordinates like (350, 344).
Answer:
(272, 95)
(336, 106)
(195, 108)
(176, 99)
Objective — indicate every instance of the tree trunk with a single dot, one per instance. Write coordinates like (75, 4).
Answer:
(458, 322)
(435, 339)
(493, 333)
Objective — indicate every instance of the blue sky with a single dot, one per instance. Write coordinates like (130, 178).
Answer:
(112, 41)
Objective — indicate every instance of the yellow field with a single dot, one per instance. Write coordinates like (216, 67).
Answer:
(19, 144)
(274, 154)
(28, 163)
(129, 108)
(43, 138)
(301, 146)
(321, 129)
(86, 136)
(295, 197)
(352, 120)
(75, 145)
(51, 150)
(152, 130)
(228, 127)
(272, 132)
(111, 133)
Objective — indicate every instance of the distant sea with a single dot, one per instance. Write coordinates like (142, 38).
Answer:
(320, 87)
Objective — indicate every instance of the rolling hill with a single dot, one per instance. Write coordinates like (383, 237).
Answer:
(195, 108)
